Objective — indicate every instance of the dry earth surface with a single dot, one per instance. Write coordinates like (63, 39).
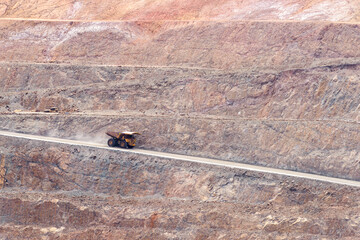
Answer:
(272, 83)
(223, 10)
(56, 191)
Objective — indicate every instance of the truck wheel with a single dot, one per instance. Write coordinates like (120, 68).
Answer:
(111, 142)
(122, 144)
(130, 146)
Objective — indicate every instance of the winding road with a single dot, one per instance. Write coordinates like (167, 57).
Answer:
(179, 157)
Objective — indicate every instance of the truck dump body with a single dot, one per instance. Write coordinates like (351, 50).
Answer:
(113, 134)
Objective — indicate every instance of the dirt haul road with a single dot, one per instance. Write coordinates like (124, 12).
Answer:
(179, 157)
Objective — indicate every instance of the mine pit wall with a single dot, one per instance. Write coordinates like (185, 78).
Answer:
(328, 148)
(303, 119)
(310, 94)
(226, 45)
(113, 10)
(59, 191)
(281, 94)
(288, 99)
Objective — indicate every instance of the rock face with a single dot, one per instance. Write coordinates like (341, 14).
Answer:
(273, 83)
(322, 93)
(307, 146)
(56, 191)
(112, 10)
(283, 101)
(231, 45)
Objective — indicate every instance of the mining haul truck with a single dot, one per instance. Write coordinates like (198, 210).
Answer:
(122, 139)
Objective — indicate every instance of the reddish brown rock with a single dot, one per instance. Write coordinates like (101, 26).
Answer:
(318, 10)
(123, 195)
(325, 147)
(272, 83)
(250, 46)
(312, 94)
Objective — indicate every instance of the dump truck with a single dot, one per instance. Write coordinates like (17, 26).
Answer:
(122, 139)
(51, 110)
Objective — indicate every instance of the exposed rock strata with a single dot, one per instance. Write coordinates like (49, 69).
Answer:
(304, 10)
(303, 120)
(74, 191)
(325, 147)
(309, 94)
(276, 93)
(253, 46)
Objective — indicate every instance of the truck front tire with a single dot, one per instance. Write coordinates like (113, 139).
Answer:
(111, 142)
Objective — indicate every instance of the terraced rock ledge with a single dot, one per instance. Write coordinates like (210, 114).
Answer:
(58, 191)
(269, 83)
